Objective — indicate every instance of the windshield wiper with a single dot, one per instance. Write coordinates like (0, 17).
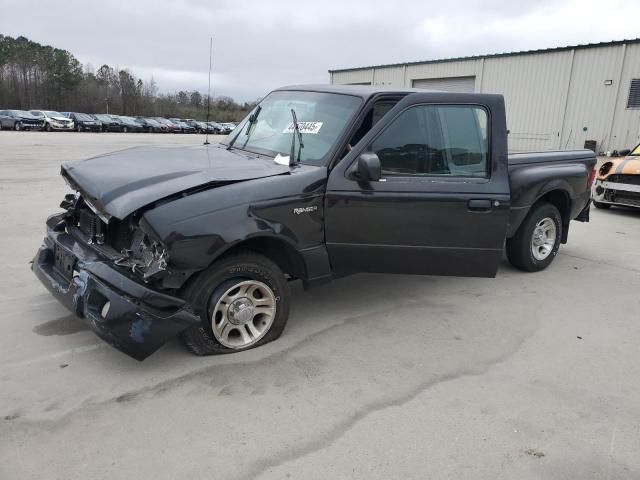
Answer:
(252, 119)
(296, 130)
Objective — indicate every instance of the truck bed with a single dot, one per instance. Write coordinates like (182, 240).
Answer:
(553, 156)
(536, 174)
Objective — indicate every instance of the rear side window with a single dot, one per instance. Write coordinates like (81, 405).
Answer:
(435, 140)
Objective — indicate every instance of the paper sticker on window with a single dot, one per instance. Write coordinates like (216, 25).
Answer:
(305, 127)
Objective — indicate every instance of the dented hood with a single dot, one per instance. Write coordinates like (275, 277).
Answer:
(118, 183)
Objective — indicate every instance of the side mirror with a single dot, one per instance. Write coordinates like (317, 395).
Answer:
(368, 168)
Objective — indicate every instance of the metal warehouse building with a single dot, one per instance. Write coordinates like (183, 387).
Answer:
(555, 98)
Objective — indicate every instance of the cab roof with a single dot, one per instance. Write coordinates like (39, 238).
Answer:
(364, 91)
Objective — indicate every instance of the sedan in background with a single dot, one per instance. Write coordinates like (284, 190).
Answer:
(53, 121)
(151, 126)
(109, 123)
(225, 129)
(230, 125)
(184, 127)
(171, 126)
(130, 124)
(217, 128)
(204, 127)
(85, 122)
(19, 120)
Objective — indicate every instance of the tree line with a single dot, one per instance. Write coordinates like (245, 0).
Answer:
(35, 76)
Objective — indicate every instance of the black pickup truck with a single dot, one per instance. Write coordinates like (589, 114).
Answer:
(317, 182)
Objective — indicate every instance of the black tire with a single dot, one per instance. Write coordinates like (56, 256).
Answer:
(47, 127)
(207, 288)
(124, 130)
(603, 206)
(519, 247)
(78, 128)
(17, 126)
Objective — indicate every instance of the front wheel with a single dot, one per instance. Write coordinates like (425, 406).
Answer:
(17, 126)
(125, 129)
(79, 128)
(242, 301)
(536, 243)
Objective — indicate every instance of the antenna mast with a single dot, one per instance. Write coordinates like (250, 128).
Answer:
(206, 141)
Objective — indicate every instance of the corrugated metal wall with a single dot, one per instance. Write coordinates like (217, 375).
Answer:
(625, 129)
(534, 88)
(555, 99)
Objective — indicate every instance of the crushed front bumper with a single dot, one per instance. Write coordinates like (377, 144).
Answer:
(123, 312)
(614, 193)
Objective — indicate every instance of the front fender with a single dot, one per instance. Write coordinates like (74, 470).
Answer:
(199, 228)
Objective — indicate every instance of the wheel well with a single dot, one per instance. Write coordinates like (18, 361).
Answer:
(288, 259)
(559, 199)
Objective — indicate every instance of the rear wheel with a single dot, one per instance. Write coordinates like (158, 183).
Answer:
(125, 129)
(604, 206)
(243, 302)
(537, 241)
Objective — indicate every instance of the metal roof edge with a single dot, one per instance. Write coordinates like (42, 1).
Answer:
(494, 55)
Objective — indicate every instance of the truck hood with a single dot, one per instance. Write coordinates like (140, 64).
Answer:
(119, 183)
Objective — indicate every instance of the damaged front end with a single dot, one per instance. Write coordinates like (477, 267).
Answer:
(116, 275)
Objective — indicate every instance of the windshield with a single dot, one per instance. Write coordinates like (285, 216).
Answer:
(24, 114)
(50, 113)
(83, 116)
(321, 119)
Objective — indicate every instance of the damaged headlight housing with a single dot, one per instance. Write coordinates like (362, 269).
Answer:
(146, 256)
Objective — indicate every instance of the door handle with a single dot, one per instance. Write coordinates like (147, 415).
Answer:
(479, 205)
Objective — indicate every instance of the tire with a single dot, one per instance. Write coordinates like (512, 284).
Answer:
(79, 128)
(125, 129)
(242, 270)
(603, 206)
(531, 250)
(47, 127)
(17, 126)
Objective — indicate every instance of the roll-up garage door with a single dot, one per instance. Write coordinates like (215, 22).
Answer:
(447, 84)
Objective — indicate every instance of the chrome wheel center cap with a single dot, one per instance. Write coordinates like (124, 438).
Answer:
(538, 238)
(241, 311)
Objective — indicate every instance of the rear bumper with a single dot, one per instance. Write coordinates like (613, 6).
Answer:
(124, 313)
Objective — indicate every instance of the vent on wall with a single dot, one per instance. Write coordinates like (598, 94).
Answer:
(634, 94)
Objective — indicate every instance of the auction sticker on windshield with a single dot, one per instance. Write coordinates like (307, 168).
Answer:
(305, 127)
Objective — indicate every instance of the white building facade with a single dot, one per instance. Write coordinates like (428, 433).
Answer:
(555, 98)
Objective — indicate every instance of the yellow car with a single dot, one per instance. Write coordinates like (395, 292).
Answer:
(618, 182)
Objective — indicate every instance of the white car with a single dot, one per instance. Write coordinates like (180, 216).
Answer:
(53, 120)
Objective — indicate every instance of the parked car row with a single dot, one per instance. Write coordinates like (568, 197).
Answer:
(49, 121)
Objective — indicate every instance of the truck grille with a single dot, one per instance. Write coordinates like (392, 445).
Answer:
(624, 178)
(91, 225)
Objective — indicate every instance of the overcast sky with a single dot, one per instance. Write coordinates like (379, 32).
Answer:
(260, 45)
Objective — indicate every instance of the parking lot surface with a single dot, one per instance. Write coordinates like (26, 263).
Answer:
(376, 376)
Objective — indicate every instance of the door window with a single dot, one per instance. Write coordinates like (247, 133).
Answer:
(440, 140)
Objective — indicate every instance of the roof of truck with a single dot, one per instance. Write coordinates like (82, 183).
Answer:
(358, 90)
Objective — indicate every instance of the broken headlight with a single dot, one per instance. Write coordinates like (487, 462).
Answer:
(145, 257)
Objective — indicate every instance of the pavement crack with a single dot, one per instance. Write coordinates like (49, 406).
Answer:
(262, 466)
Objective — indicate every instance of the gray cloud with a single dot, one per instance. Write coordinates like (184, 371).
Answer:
(262, 45)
